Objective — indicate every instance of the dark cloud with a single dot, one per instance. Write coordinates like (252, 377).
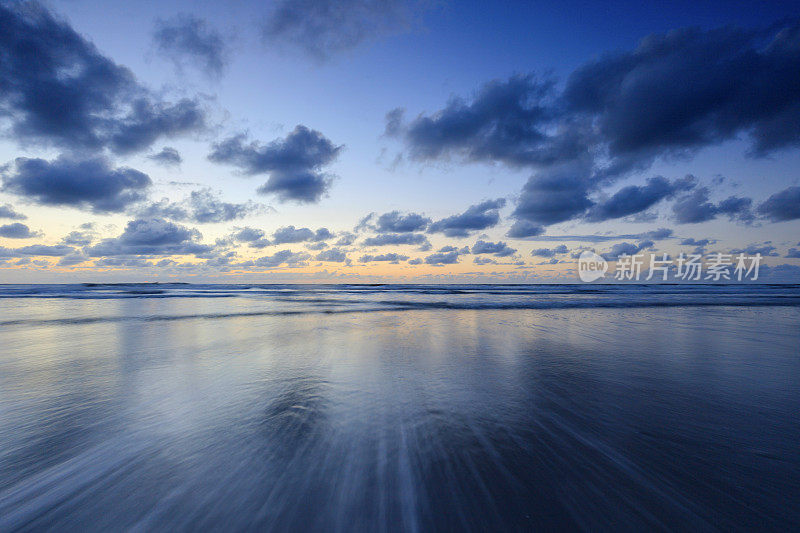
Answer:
(365, 223)
(477, 217)
(302, 187)
(395, 222)
(551, 261)
(499, 249)
(323, 234)
(550, 252)
(167, 156)
(737, 208)
(626, 248)
(58, 89)
(322, 28)
(25, 253)
(655, 235)
(72, 260)
(555, 195)
(334, 255)
(260, 244)
(316, 246)
(83, 237)
(635, 199)
(696, 242)
(766, 249)
(394, 122)
(154, 236)
(689, 88)
(658, 235)
(390, 257)
(7, 211)
(86, 184)
(248, 234)
(672, 95)
(282, 257)
(561, 193)
(148, 121)
(294, 163)
(442, 258)
(793, 253)
(522, 229)
(447, 255)
(695, 207)
(187, 39)
(699, 244)
(290, 234)
(782, 206)
(58, 250)
(346, 239)
(123, 262)
(202, 206)
(17, 230)
(507, 121)
(386, 239)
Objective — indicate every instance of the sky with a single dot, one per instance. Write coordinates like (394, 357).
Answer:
(391, 141)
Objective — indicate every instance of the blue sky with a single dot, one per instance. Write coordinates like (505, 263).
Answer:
(515, 125)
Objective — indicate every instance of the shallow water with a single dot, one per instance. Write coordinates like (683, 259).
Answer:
(399, 408)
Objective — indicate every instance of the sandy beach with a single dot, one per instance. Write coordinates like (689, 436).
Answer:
(165, 409)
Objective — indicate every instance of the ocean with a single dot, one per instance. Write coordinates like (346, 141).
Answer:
(399, 407)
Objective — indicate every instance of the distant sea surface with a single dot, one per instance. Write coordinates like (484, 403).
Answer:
(399, 407)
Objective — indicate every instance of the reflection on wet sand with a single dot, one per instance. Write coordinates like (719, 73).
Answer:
(444, 419)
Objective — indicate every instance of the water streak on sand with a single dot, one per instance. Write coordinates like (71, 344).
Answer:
(386, 408)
